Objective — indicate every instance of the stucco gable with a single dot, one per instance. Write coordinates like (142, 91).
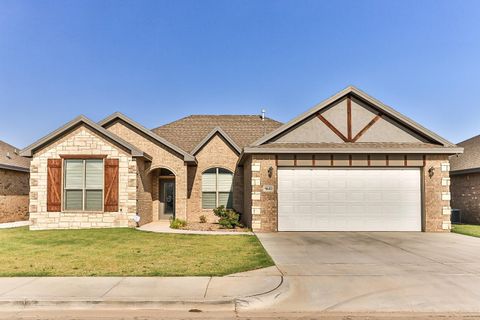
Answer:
(352, 116)
(350, 120)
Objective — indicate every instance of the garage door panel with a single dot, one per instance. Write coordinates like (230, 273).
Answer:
(321, 196)
(321, 183)
(338, 196)
(318, 199)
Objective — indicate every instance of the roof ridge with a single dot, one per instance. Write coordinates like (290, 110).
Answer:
(214, 115)
(466, 140)
(8, 144)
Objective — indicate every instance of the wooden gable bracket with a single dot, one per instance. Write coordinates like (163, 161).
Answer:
(332, 127)
(365, 129)
(349, 137)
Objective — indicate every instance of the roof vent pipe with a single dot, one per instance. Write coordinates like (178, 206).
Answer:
(263, 114)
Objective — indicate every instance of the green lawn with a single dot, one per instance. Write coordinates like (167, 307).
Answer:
(467, 229)
(126, 252)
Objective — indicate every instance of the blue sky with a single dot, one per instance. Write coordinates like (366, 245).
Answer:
(157, 61)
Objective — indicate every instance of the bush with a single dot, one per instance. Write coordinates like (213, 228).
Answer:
(177, 223)
(229, 219)
(203, 219)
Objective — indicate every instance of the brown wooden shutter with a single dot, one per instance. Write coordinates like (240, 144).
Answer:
(54, 185)
(111, 185)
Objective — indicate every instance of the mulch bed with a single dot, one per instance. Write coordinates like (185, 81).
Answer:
(207, 226)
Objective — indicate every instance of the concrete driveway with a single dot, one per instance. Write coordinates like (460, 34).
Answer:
(376, 271)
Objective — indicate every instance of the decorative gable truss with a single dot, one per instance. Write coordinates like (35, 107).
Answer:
(349, 137)
(352, 116)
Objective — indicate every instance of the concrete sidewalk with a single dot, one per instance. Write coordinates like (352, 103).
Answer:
(205, 293)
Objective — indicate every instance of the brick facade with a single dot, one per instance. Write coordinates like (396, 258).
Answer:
(81, 141)
(162, 157)
(144, 192)
(254, 184)
(14, 188)
(436, 196)
(465, 190)
(216, 153)
(262, 203)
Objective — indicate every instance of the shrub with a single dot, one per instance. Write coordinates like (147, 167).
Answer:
(229, 219)
(203, 219)
(177, 223)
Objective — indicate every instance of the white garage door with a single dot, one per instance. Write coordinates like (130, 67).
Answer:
(349, 199)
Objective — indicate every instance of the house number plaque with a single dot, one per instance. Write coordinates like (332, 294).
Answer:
(268, 188)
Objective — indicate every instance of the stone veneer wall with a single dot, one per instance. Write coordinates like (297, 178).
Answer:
(465, 190)
(262, 204)
(216, 153)
(81, 141)
(14, 187)
(162, 157)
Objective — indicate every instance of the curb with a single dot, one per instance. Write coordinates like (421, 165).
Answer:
(263, 300)
(26, 304)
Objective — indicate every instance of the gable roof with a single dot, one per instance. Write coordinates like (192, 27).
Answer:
(10, 158)
(189, 132)
(216, 130)
(81, 120)
(351, 90)
(120, 116)
(469, 161)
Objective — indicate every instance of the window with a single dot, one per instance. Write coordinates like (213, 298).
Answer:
(83, 184)
(217, 188)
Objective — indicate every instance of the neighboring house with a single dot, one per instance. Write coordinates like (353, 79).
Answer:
(465, 181)
(350, 163)
(14, 184)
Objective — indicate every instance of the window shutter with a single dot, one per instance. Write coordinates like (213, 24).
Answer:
(54, 185)
(111, 185)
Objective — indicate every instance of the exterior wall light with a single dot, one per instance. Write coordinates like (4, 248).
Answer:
(270, 172)
(431, 172)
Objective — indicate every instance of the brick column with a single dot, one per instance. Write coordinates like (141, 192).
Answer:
(264, 193)
(437, 193)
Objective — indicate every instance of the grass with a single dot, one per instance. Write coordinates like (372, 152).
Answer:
(467, 229)
(126, 252)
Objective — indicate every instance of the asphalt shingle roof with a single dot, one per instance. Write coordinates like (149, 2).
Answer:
(470, 159)
(188, 132)
(10, 158)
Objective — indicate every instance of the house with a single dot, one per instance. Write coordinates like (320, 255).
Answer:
(350, 163)
(14, 184)
(465, 181)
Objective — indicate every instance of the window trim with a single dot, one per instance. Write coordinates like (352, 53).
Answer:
(217, 192)
(84, 189)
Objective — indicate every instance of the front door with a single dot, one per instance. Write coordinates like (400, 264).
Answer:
(167, 198)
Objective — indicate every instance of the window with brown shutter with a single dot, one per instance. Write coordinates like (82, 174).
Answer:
(54, 185)
(83, 184)
(111, 185)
